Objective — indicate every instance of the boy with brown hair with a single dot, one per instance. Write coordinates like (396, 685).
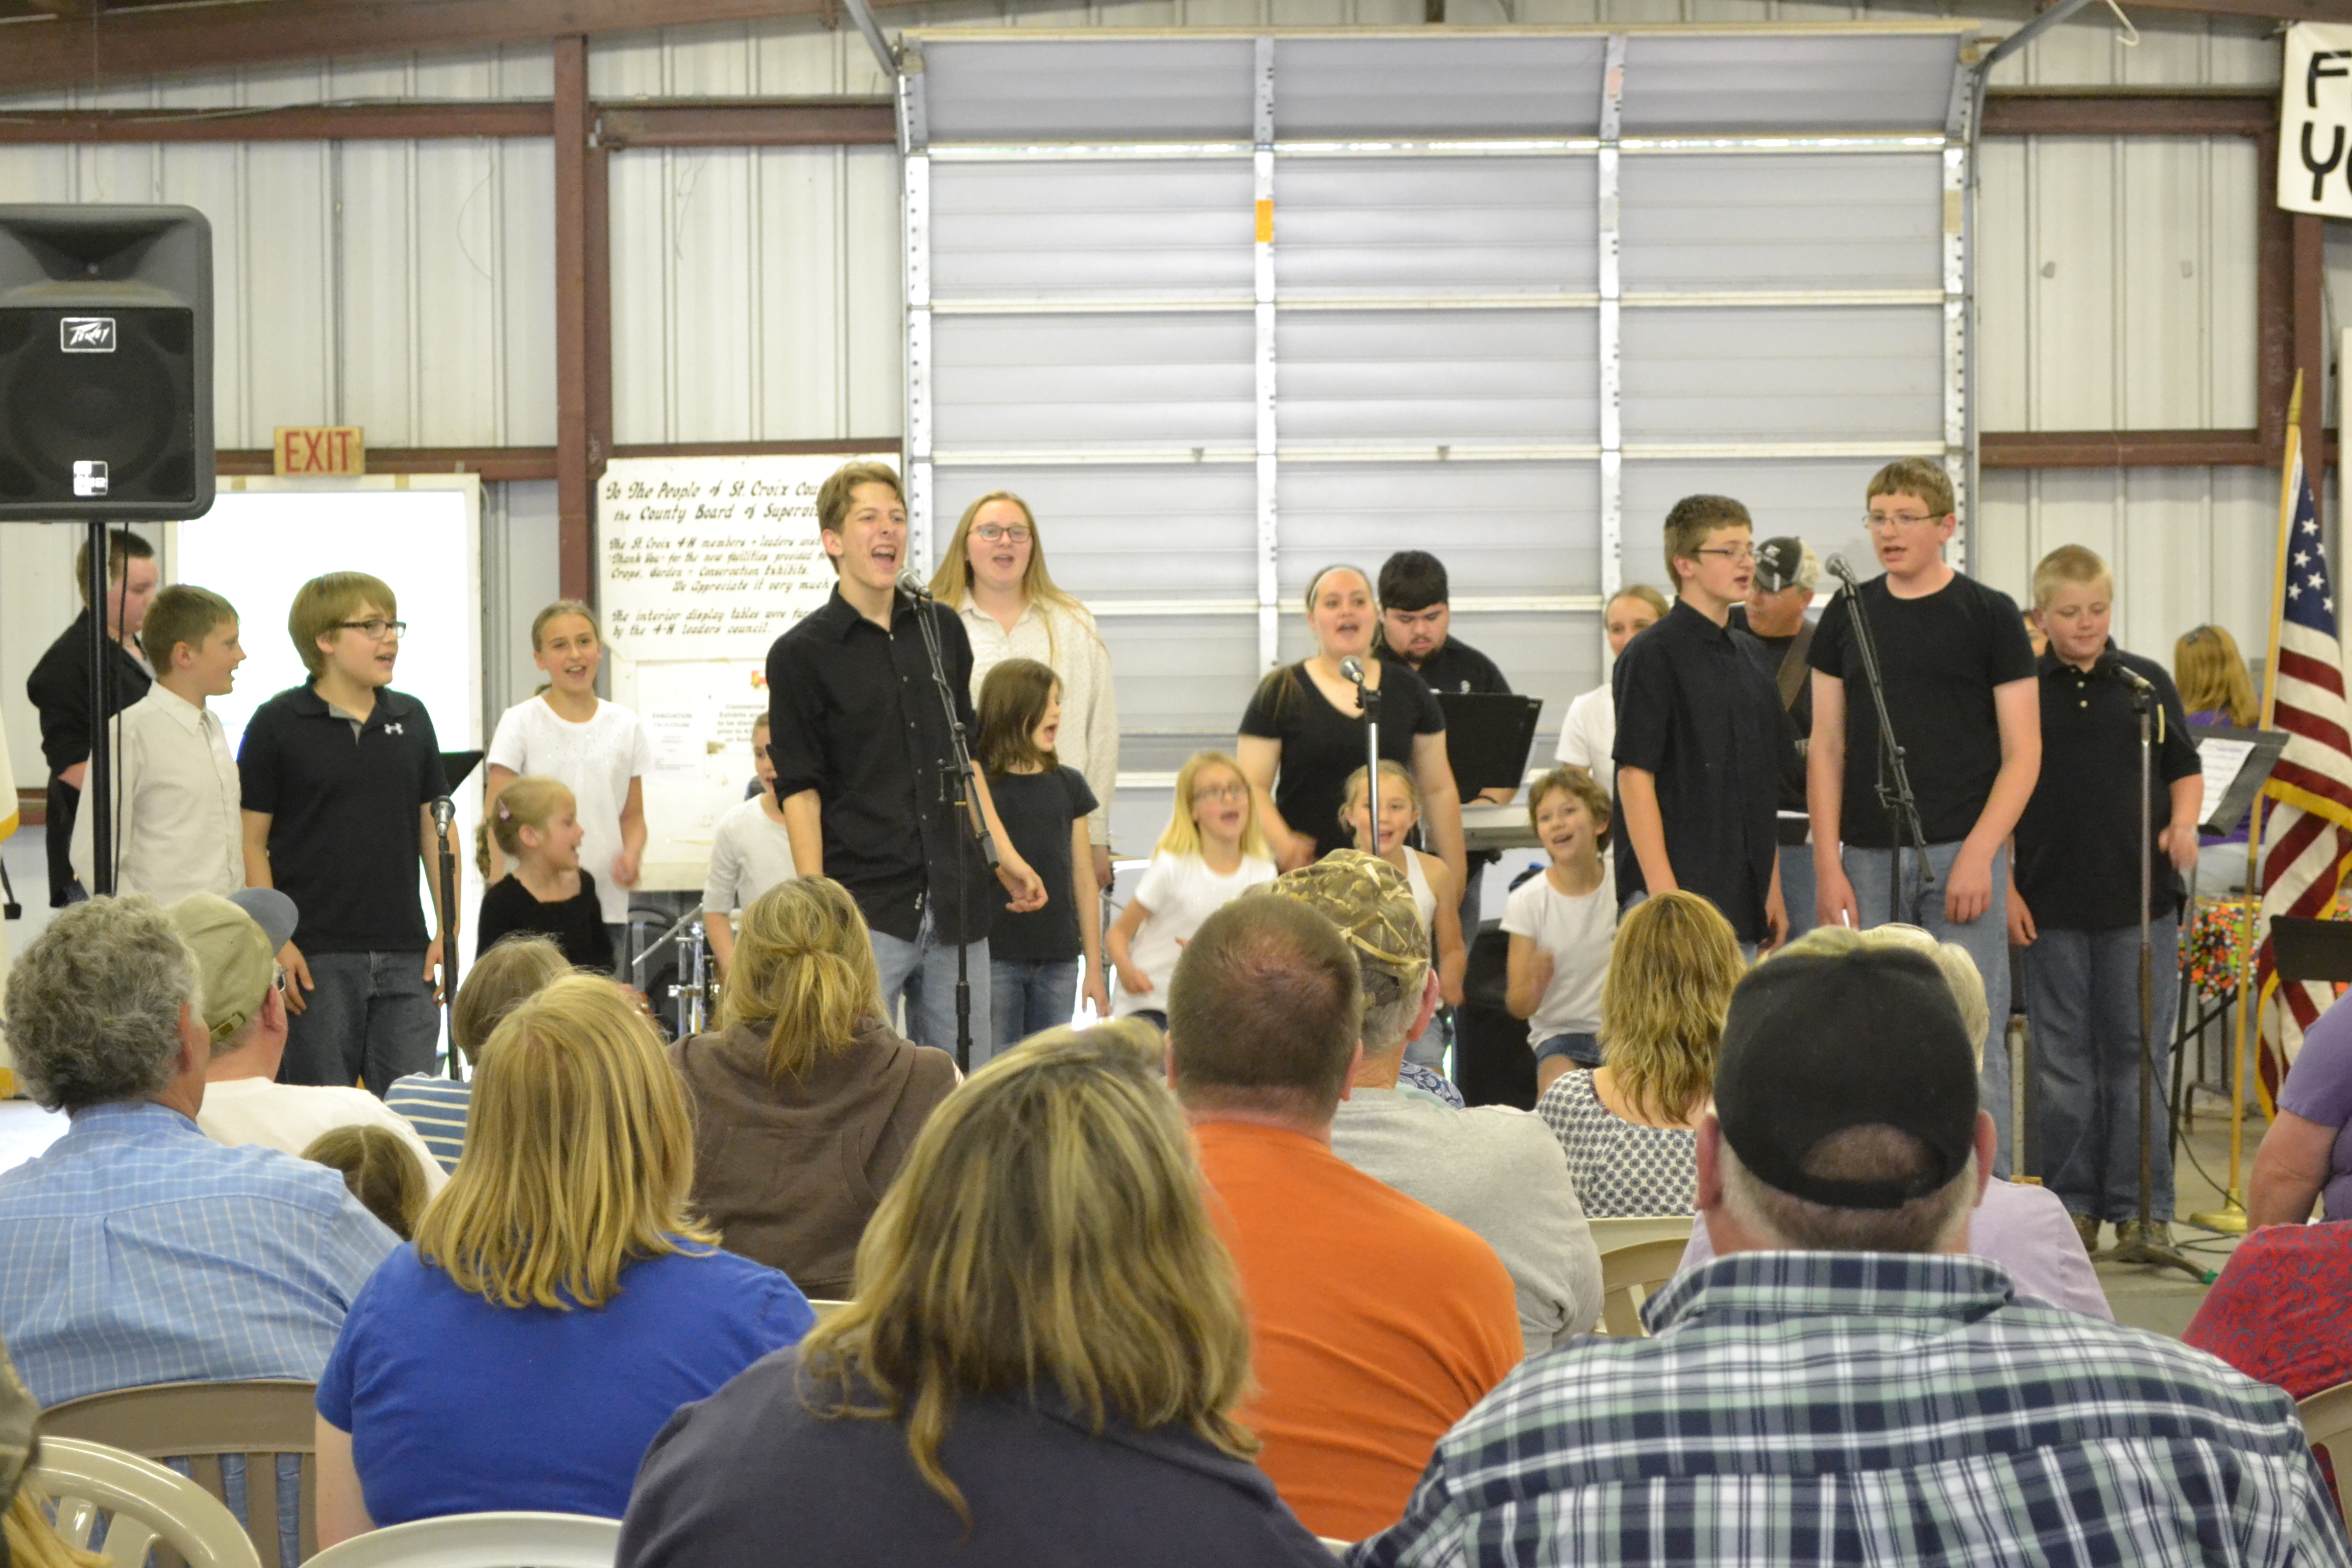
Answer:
(175, 789)
(340, 776)
(2073, 905)
(1698, 736)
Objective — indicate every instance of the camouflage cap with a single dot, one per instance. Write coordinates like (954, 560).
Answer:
(1371, 903)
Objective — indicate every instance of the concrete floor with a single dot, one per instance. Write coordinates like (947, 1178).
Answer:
(2164, 1299)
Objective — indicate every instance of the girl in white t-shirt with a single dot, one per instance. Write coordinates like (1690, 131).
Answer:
(1433, 893)
(1212, 852)
(750, 853)
(1588, 737)
(596, 749)
(1560, 926)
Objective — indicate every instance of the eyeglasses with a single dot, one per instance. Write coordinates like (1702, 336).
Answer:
(1222, 792)
(1896, 520)
(999, 532)
(1740, 554)
(375, 630)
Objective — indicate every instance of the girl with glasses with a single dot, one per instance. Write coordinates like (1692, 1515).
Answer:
(1211, 853)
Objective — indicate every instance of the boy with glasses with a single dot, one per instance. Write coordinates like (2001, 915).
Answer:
(1698, 736)
(1960, 690)
(339, 777)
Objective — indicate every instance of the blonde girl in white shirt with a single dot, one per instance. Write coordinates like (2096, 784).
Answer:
(1211, 853)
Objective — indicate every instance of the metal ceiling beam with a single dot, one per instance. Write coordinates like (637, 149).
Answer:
(410, 121)
(2199, 111)
(164, 40)
(2278, 10)
(738, 123)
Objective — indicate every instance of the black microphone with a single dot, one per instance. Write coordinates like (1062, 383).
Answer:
(2115, 669)
(912, 583)
(1352, 669)
(1837, 567)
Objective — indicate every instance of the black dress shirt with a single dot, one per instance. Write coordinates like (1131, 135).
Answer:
(60, 688)
(854, 714)
(1694, 712)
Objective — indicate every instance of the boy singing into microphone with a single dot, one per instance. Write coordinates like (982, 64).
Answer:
(2074, 907)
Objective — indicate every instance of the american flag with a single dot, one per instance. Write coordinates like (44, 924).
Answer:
(2309, 838)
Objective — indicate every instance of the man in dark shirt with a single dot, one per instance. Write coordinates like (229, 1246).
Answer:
(1778, 638)
(2074, 906)
(859, 740)
(1699, 736)
(1959, 689)
(60, 687)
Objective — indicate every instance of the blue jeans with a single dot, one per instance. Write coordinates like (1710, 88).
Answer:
(1797, 886)
(924, 972)
(1029, 995)
(1584, 1050)
(371, 1019)
(2082, 999)
(1985, 937)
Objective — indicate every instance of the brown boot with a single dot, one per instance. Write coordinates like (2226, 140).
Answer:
(2087, 1227)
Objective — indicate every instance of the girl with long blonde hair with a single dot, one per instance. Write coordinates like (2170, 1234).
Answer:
(1212, 851)
(558, 1301)
(805, 1100)
(1629, 1126)
(1042, 1362)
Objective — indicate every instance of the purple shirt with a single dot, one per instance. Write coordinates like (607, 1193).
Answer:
(2022, 1228)
(2319, 1088)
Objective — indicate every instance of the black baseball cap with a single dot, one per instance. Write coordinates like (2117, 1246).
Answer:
(1815, 1044)
(1780, 564)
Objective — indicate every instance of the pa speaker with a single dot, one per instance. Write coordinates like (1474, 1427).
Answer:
(105, 362)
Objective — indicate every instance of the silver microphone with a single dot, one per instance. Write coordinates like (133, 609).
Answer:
(1352, 669)
(1837, 567)
(912, 583)
(444, 813)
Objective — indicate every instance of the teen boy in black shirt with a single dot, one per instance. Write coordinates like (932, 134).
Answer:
(1959, 688)
(339, 779)
(60, 687)
(860, 741)
(1699, 736)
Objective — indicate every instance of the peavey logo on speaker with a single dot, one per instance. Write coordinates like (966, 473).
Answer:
(88, 478)
(86, 334)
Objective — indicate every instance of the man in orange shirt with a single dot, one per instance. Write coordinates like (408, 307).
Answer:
(1376, 1322)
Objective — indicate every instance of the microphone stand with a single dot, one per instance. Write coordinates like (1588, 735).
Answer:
(444, 814)
(1894, 797)
(1367, 698)
(2141, 1249)
(956, 774)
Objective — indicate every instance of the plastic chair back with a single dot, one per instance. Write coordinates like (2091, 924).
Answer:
(2327, 1425)
(142, 1504)
(482, 1540)
(201, 1421)
(1629, 1274)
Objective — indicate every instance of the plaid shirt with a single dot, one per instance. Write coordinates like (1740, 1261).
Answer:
(1857, 1407)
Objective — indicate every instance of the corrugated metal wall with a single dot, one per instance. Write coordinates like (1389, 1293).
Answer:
(757, 294)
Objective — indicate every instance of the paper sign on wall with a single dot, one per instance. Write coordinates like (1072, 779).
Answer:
(2315, 173)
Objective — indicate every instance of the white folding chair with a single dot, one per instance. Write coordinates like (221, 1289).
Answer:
(143, 1503)
(1629, 1276)
(482, 1540)
(2328, 1426)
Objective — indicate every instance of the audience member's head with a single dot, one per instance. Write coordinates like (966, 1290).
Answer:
(236, 941)
(1670, 972)
(379, 1168)
(105, 1006)
(1264, 1013)
(803, 973)
(1845, 1106)
(1372, 904)
(1959, 970)
(517, 967)
(578, 1156)
(1045, 1237)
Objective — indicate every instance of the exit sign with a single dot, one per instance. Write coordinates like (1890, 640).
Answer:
(307, 449)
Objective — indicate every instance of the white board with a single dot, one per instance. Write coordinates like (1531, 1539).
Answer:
(702, 563)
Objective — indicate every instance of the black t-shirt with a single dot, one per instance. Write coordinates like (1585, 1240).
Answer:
(1037, 810)
(576, 923)
(1321, 746)
(60, 688)
(2078, 841)
(1693, 711)
(1942, 657)
(1455, 666)
(343, 822)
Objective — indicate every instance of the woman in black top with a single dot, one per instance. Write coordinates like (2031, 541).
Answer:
(1303, 732)
(536, 823)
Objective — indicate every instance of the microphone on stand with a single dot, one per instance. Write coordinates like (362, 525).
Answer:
(1837, 567)
(2115, 669)
(1352, 669)
(912, 583)
(444, 813)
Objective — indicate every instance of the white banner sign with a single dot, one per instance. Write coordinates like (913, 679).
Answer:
(2315, 173)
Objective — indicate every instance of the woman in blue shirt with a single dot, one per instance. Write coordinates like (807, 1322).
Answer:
(557, 1304)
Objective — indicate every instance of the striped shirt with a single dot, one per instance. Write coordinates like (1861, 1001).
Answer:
(1823, 1408)
(137, 1250)
(438, 1108)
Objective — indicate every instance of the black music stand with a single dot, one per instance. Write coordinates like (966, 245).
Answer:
(2312, 950)
(1489, 735)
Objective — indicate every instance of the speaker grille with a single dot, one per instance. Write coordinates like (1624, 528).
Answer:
(132, 408)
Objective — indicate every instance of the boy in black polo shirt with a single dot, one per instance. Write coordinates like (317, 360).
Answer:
(1698, 736)
(339, 780)
(2074, 907)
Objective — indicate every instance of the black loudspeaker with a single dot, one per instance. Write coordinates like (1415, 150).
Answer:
(106, 364)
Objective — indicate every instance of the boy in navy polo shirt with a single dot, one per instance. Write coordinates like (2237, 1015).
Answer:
(338, 781)
(2074, 907)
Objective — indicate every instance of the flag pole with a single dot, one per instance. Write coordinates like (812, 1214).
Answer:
(2230, 1217)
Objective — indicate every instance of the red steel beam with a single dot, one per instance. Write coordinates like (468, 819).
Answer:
(574, 462)
(300, 122)
(2199, 112)
(780, 123)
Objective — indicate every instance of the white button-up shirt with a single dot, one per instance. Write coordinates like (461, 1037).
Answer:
(1069, 644)
(178, 831)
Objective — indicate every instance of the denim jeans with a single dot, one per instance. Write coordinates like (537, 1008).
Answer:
(1986, 938)
(1797, 886)
(1030, 995)
(924, 972)
(1584, 1050)
(372, 1019)
(2081, 1000)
